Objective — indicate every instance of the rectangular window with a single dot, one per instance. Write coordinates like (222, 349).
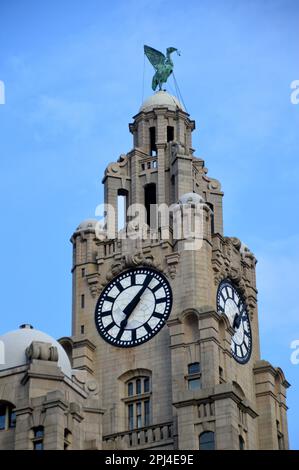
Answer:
(82, 329)
(2, 417)
(138, 386)
(146, 385)
(194, 384)
(131, 416)
(153, 148)
(12, 419)
(38, 445)
(194, 368)
(83, 272)
(82, 301)
(170, 133)
(130, 389)
(138, 415)
(146, 413)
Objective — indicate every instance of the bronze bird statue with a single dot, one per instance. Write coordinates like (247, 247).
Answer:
(161, 63)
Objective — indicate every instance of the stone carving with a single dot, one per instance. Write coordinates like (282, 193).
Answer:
(94, 284)
(129, 261)
(213, 184)
(116, 168)
(176, 149)
(232, 259)
(172, 262)
(42, 351)
(90, 385)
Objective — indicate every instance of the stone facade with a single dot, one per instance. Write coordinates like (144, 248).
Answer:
(244, 405)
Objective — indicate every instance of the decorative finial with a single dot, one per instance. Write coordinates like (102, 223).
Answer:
(161, 63)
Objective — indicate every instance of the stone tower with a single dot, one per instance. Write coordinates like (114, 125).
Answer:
(194, 379)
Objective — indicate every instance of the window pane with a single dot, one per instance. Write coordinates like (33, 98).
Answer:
(138, 386)
(241, 443)
(146, 413)
(146, 385)
(12, 419)
(194, 368)
(38, 445)
(138, 415)
(2, 416)
(194, 384)
(131, 416)
(207, 441)
(130, 389)
(39, 432)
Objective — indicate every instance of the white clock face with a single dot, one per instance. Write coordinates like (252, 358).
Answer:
(133, 307)
(232, 305)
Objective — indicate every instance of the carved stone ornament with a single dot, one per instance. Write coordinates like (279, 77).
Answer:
(116, 168)
(94, 284)
(129, 261)
(42, 351)
(90, 385)
(231, 259)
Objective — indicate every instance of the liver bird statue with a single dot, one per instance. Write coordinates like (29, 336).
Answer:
(161, 63)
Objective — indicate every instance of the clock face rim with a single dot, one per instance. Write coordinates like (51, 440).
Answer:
(224, 283)
(154, 331)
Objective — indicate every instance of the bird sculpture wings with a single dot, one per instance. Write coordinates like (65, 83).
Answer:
(155, 57)
(161, 63)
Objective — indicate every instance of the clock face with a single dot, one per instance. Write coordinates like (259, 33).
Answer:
(232, 305)
(133, 307)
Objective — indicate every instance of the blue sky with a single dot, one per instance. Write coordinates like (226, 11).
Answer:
(73, 73)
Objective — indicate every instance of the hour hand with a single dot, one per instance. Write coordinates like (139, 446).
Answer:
(237, 321)
(134, 302)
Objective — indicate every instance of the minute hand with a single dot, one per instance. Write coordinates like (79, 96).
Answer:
(134, 302)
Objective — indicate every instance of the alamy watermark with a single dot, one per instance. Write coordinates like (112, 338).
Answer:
(2, 92)
(295, 94)
(295, 353)
(179, 222)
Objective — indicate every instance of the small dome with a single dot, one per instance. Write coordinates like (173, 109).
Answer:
(161, 99)
(191, 198)
(14, 344)
(88, 224)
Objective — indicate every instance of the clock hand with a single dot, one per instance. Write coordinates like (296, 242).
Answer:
(134, 302)
(237, 321)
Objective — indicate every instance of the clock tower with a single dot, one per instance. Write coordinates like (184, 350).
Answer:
(165, 319)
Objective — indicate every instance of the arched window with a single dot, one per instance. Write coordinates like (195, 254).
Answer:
(38, 438)
(138, 402)
(207, 441)
(241, 443)
(7, 416)
(194, 376)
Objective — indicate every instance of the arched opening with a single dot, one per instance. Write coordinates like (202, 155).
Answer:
(150, 199)
(207, 441)
(67, 345)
